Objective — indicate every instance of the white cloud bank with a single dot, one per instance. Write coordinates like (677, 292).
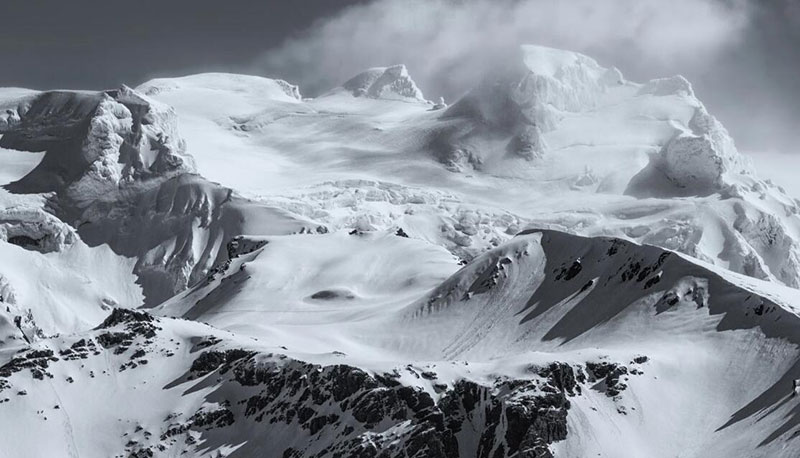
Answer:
(448, 44)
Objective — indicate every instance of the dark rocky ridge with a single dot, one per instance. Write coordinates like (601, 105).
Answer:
(332, 410)
(349, 412)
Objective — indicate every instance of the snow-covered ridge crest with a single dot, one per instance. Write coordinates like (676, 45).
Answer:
(253, 86)
(566, 80)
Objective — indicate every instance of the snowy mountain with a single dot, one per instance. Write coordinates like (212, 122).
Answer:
(560, 263)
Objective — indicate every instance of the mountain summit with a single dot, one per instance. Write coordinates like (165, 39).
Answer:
(393, 83)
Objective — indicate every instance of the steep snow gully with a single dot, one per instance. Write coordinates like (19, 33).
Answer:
(562, 263)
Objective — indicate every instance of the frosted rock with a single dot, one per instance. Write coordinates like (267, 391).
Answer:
(675, 85)
(528, 143)
(692, 162)
(94, 141)
(291, 90)
(177, 229)
(7, 295)
(441, 104)
(111, 121)
(461, 159)
(8, 119)
(34, 229)
(462, 240)
(612, 77)
(586, 179)
(384, 83)
(701, 160)
(154, 144)
(363, 224)
(766, 234)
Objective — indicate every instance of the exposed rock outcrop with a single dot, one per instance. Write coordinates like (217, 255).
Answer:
(393, 83)
(34, 229)
(333, 410)
(93, 141)
(348, 412)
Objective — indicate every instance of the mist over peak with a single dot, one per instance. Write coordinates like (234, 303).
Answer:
(735, 52)
(447, 45)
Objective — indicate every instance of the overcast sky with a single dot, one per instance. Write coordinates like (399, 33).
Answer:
(743, 56)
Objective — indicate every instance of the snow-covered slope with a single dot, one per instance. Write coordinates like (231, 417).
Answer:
(552, 138)
(734, 341)
(573, 343)
(560, 263)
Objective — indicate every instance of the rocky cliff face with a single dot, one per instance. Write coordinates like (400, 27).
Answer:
(94, 140)
(344, 411)
(299, 409)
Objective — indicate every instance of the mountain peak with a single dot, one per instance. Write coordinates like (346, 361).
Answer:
(392, 83)
(250, 85)
(554, 63)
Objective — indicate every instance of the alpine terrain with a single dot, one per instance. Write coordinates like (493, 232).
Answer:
(561, 263)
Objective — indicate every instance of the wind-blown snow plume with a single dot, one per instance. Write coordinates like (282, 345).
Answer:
(438, 42)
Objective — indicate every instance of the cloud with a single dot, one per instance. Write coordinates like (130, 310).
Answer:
(448, 44)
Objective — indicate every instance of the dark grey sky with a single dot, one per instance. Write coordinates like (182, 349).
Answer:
(90, 44)
(748, 75)
(755, 85)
